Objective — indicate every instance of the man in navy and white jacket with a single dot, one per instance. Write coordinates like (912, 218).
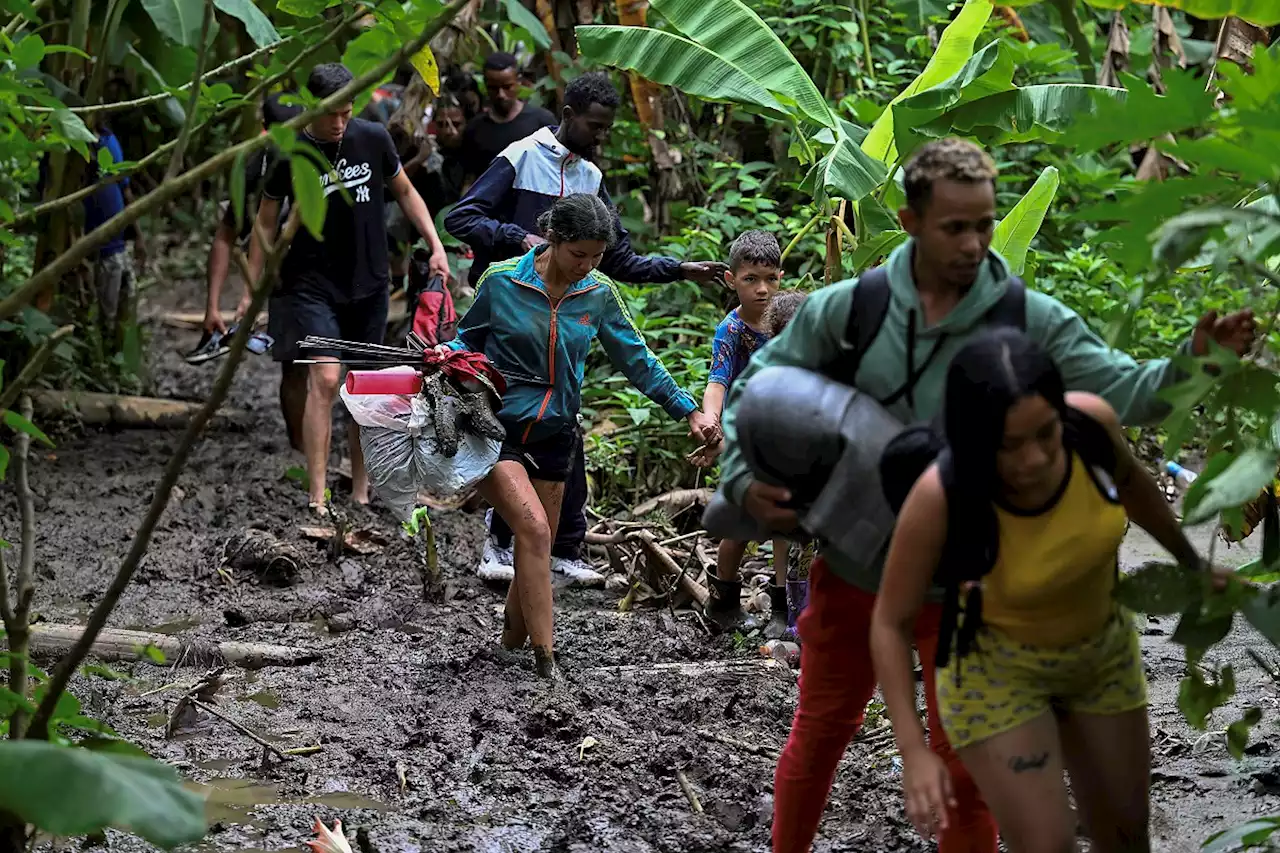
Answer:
(498, 219)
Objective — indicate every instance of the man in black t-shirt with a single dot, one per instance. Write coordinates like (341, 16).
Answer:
(505, 120)
(336, 287)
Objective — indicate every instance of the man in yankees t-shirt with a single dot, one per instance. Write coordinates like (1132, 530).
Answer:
(337, 287)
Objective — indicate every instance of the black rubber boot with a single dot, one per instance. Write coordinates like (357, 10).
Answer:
(725, 608)
(776, 629)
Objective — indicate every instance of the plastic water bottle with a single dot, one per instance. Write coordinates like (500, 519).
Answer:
(1182, 476)
(782, 652)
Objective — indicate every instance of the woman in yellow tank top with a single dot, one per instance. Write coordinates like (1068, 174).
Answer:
(1046, 674)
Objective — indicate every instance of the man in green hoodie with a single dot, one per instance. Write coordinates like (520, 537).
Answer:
(944, 283)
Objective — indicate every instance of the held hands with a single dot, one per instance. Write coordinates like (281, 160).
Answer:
(1234, 332)
(712, 441)
(703, 427)
(926, 789)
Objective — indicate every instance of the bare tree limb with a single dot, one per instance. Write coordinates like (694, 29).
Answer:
(155, 156)
(98, 619)
(184, 136)
(32, 368)
(170, 190)
(146, 100)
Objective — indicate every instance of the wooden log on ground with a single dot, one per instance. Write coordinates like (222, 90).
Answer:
(195, 319)
(664, 561)
(673, 502)
(99, 409)
(115, 645)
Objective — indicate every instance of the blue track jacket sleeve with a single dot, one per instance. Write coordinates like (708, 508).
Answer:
(627, 350)
(473, 328)
(478, 219)
(622, 263)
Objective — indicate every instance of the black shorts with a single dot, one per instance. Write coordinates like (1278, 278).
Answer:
(549, 459)
(293, 315)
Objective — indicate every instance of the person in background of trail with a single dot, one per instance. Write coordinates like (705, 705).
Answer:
(336, 287)
(433, 164)
(755, 261)
(498, 218)
(505, 120)
(538, 313)
(1057, 681)
(943, 283)
(114, 273)
(257, 167)
(462, 85)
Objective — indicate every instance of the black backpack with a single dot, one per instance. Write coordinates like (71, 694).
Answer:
(973, 534)
(870, 307)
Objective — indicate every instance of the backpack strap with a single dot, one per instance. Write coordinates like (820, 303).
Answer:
(1011, 310)
(867, 311)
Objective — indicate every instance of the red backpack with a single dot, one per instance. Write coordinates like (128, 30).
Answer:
(431, 310)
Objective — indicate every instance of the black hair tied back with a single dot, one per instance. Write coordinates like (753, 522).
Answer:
(577, 217)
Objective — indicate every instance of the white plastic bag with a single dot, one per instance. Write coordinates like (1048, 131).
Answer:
(403, 457)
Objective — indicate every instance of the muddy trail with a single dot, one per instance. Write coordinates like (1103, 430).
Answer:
(433, 739)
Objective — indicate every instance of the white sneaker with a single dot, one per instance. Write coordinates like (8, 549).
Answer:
(577, 571)
(497, 564)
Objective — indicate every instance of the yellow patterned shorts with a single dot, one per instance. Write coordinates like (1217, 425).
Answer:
(1004, 683)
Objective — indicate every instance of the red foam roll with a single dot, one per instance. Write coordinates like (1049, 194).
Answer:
(383, 382)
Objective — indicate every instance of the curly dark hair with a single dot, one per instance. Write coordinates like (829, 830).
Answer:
(945, 160)
(499, 61)
(755, 247)
(328, 78)
(782, 308)
(591, 88)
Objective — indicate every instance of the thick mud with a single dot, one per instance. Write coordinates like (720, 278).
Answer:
(433, 739)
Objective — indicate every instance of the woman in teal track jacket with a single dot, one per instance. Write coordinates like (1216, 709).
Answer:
(534, 317)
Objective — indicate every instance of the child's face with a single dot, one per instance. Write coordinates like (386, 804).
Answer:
(755, 285)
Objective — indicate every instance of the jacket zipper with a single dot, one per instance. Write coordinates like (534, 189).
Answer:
(553, 335)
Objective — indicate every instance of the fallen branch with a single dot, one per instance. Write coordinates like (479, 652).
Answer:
(99, 409)
(688, 791)
(673, 503)
(114, 644)
(194, 320)
(667, 563)
(262, 742)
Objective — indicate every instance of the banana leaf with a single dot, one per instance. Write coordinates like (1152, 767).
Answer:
(846, 171)
(1013, 234)
(1031, 113)
(673, 60)
(954, 49)
(1264, 13)
(730, 30)
(987, 72)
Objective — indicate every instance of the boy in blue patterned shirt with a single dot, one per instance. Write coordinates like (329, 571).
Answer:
(755, 271)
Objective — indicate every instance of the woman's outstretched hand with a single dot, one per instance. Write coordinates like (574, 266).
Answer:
(926, 788)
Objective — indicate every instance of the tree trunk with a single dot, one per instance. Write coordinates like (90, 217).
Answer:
(648, 100)
(547, 14)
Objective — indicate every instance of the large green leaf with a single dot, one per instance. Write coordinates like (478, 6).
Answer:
(255, 23)
(1013, 235)
(987, 72)
(1244, 478)
(954, 49)
(308, 195)
(1246, 836)
(1144, 115)
(846, 171)
(178, 20)
(1265, 13)
(673, 60)
(729, 29)
(366, 52)
(169, 107)
(526, 20)
(1031, 113)
(67, 791)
